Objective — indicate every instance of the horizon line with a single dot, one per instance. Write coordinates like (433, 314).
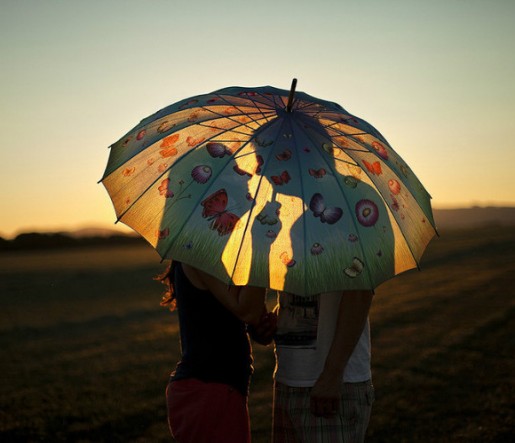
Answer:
(122, 228)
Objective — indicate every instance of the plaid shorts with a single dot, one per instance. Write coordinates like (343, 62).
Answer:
(293, 421)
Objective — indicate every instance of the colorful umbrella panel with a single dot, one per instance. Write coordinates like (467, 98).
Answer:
(308, 200)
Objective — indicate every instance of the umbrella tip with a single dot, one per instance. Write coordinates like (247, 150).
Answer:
(292, 93)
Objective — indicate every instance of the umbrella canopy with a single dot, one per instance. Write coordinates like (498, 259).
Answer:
(263, 187)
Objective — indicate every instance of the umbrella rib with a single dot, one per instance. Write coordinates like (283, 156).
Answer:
(334, 128)
(266, 117)
(403, 236)
(242, 113)
(240, 124)
(306, 105)
(316, 112)
(232, 119)
(231, 129)
(357, 141)
(304, 229)
(267, 101)
(277, 102)
(310, 102)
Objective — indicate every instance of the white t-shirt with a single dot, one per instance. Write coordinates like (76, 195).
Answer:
(301, 347)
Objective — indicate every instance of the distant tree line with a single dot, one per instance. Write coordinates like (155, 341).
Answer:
(37, 240)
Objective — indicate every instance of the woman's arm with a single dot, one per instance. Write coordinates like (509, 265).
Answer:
(246, 302)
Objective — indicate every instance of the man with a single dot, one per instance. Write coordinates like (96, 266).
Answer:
(323, 389)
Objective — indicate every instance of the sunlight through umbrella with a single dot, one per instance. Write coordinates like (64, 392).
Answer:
(271, 188)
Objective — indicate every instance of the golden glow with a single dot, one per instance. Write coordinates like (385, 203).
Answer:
(238, 253)
(281, 251)
(403, 258)
(236, 263)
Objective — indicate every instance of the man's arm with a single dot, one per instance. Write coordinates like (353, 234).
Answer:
(352, 317)
(246, 302)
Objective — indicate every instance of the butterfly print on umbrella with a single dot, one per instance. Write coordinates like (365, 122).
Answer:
(281, 179)
(317, 173)
(374, 168)
(327, 215)
(164, 189)
(284, 156)
(287, 260)
(215, 210)
(263, 143)
(355, 269)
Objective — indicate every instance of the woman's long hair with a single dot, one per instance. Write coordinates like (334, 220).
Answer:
(167, 278)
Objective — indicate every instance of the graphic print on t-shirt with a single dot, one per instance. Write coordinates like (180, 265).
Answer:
(297, 322)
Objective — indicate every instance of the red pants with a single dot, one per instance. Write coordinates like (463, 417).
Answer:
(200, 412)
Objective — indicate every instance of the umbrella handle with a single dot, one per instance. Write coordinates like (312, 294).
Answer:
(292, 93)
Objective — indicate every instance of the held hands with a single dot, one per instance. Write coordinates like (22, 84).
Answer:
(264, 331)
(326, 396)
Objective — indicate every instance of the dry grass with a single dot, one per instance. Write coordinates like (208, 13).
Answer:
(86, 350)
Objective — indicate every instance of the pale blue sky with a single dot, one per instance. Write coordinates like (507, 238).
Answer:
(436, 78)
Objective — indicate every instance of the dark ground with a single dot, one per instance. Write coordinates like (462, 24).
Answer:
(85, 349)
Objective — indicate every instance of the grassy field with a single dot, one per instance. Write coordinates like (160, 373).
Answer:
(85, 349)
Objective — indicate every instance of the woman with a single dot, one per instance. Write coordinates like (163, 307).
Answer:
(207, 393)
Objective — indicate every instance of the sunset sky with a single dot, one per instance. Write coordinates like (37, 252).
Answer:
(436, 78)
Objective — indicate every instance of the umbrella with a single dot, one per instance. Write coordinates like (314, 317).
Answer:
(271, 188)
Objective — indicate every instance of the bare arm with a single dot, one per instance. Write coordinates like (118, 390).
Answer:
(352, 317)
(246, 302)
